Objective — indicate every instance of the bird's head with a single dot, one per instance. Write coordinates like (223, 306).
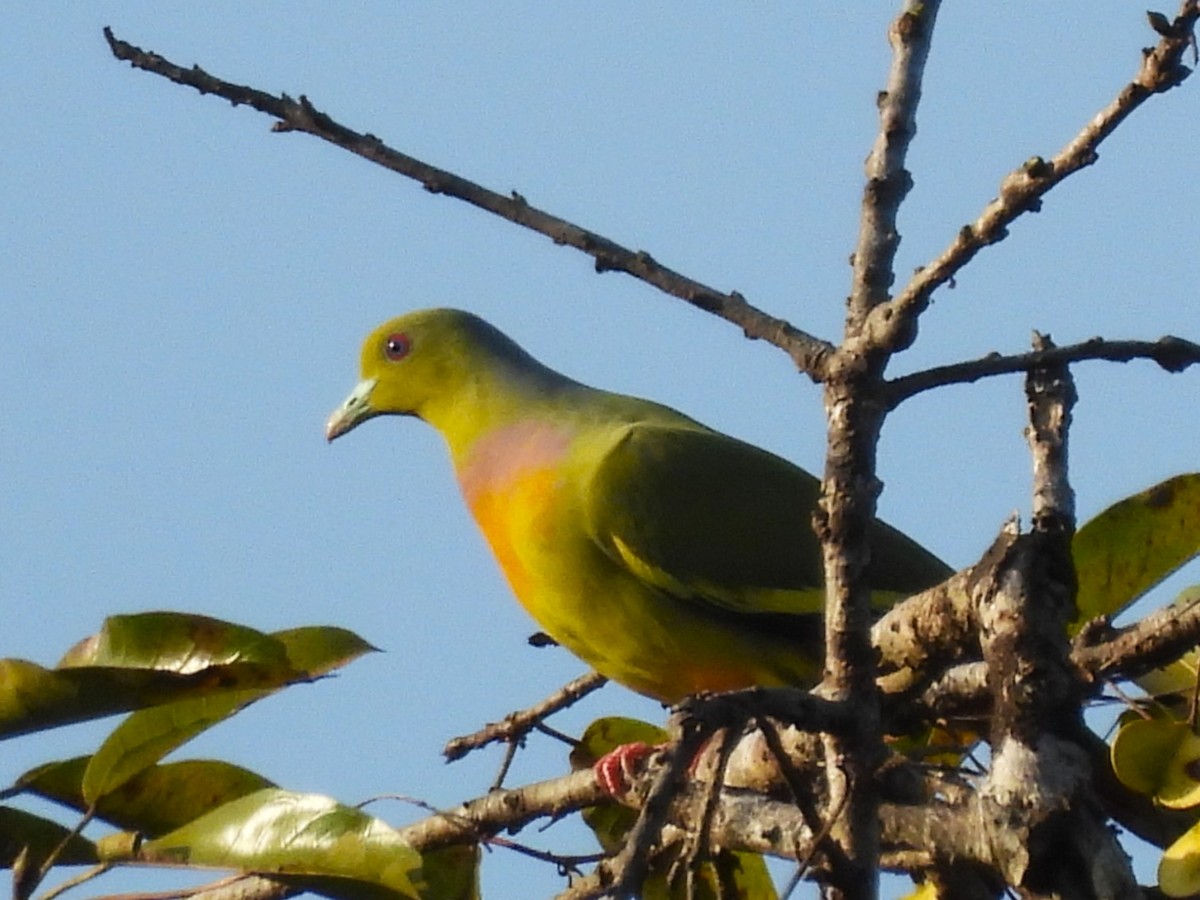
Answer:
(424, 363)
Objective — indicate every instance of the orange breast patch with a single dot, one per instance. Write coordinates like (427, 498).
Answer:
(510, 480)
(513, 517)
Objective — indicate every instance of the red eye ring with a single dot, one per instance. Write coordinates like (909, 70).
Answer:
(397, 345)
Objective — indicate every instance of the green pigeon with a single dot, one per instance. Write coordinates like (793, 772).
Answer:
(668, 556)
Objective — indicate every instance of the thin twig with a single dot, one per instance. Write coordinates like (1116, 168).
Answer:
(510, 753)
(807, 351)
(888, 182)
(1156, 640)
(1022, 190)
(518, 724)
(75, 881)
(1172, 353)
(698, 845)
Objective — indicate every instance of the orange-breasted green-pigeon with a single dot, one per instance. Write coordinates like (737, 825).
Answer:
(668, 556)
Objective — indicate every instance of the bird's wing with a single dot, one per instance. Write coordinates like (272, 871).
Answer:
(709, 518)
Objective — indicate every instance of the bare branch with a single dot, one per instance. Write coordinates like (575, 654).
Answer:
(1051, 394)
(507, 809)
(1022, 190)
(1157, 640)
(807, 351)
(888, 182)
(1172, 353)
(854, 414)
(1100, 654)
(233, 887)
(515, 726)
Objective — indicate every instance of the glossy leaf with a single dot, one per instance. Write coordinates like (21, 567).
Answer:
(174, 642)
(151, 659)
(145, 737)
(153, 802)
(1136, 543)
(33, 698)
(274, 831)
(20, 830)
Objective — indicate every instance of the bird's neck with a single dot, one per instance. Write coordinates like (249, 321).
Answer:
(494, 400)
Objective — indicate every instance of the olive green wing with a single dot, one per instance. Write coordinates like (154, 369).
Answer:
(706, 517)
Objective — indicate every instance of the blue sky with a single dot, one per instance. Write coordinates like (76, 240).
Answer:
(185, 293)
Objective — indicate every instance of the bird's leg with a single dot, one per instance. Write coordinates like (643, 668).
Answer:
(617, 769)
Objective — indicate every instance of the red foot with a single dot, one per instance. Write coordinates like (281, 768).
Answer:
(616, 769)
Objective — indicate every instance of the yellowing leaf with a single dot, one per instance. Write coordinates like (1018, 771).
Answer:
(451, 873)
(1160, 758)
(148, 735)
(156, 658)
(174, 642)
(1136, 543)
(319, 649)
(1179, 868)
(34, 698)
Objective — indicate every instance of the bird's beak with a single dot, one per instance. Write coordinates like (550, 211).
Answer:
(356, 409)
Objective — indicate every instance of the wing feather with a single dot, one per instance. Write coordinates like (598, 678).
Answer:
(708, 518)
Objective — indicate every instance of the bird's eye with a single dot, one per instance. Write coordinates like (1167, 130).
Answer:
(397, 346)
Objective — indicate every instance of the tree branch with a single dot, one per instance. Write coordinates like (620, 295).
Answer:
(1022, 190)
(854, 415)
(1172, 353)
(806, 350)
(1156, 640)
(516, 725)
(888, 182)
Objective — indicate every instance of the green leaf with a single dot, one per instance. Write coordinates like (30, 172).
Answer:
(608, 733)
(174, 642)
(277, 832)
(33, 698)
(20, 830)
(151, 659)
(1136, 543)
(147, 736)
(153, 802)
(319, 649)
(451, 873)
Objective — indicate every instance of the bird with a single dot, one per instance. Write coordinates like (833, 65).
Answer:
(668, 556)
